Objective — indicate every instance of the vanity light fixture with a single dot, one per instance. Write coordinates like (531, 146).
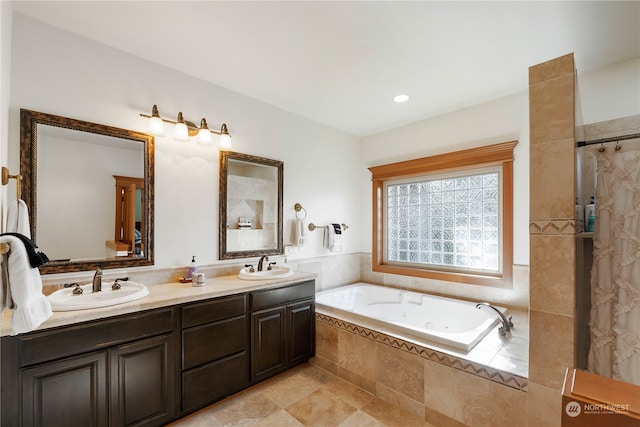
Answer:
(185, 129)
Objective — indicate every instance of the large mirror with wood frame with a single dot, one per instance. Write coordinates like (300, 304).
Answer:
(250, 206)
(89, 191)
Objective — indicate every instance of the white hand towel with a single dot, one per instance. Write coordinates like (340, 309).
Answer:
(300, 233)
(31, 306)
(18, 218)
(333, 237)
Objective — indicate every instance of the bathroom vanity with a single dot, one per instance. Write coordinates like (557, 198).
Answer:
(153, 366)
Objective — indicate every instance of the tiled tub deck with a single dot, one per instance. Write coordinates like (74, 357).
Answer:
(486, 386)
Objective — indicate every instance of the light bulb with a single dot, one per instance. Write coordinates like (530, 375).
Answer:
(204, 137)
(204, 134)
(156, 125)
(181, 132)
(225, 138)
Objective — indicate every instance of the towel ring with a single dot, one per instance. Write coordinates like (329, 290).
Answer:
(298, 207)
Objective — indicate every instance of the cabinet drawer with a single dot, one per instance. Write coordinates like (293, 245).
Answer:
(214, 381)
(272, 297)
(210, 311)
(68, 341)
(206, 343)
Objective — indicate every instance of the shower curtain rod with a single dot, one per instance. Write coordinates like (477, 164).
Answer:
(611, 139)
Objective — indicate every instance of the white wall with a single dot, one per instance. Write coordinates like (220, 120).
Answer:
(57, 72)
(610, 93)
(5, 73)
(502, 120)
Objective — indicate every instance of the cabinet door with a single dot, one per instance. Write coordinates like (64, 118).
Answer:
(268, 351)
(71, 392)
(301, 331)
(142, 382)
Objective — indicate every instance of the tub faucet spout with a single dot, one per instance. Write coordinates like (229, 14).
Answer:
(507, 324)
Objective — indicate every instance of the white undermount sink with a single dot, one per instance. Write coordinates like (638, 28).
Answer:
(66, 300)
(274, 273)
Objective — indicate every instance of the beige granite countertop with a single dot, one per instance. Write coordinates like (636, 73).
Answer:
(163, 295)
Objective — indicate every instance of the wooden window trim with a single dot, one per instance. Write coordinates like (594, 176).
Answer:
(497, 154)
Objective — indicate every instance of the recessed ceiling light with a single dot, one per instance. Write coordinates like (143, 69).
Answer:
(400, 98)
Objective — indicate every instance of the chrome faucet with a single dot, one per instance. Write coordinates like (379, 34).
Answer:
(263, 258)
(507, 324)
(97, 281)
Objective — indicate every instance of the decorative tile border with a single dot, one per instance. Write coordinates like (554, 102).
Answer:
(556, 226)
(486, 372)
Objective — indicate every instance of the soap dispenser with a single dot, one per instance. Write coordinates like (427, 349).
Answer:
(193, 267)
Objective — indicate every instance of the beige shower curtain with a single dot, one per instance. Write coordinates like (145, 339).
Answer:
(615, 277)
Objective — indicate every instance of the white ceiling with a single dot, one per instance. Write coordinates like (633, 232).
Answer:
(340, 63)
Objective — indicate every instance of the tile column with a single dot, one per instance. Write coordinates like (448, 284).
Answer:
(552, 235)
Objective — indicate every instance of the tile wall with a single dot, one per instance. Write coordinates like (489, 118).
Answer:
(437, 387)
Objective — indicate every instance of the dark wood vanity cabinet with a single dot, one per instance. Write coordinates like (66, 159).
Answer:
(151, 367)
(115, 372)
(215, 348)
(282, 328)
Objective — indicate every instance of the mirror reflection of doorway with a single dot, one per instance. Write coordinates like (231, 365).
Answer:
(129, 228)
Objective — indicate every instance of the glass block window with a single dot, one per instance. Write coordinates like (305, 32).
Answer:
(448, 222)
(446, 217)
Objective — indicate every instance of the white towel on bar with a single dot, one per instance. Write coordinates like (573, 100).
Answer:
(333, 237)
(31, 306)
(18, 218)
(300, 234)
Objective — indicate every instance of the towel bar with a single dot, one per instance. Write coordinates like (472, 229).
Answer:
(312, 226)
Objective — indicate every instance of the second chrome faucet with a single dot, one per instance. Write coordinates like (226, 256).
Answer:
(97, 281)
(263, 258)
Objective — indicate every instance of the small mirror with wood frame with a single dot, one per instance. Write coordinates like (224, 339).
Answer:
(250, 206)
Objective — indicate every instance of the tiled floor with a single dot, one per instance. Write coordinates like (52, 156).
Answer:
(304, 396)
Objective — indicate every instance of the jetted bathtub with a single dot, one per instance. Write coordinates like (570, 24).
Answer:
(455, 323)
